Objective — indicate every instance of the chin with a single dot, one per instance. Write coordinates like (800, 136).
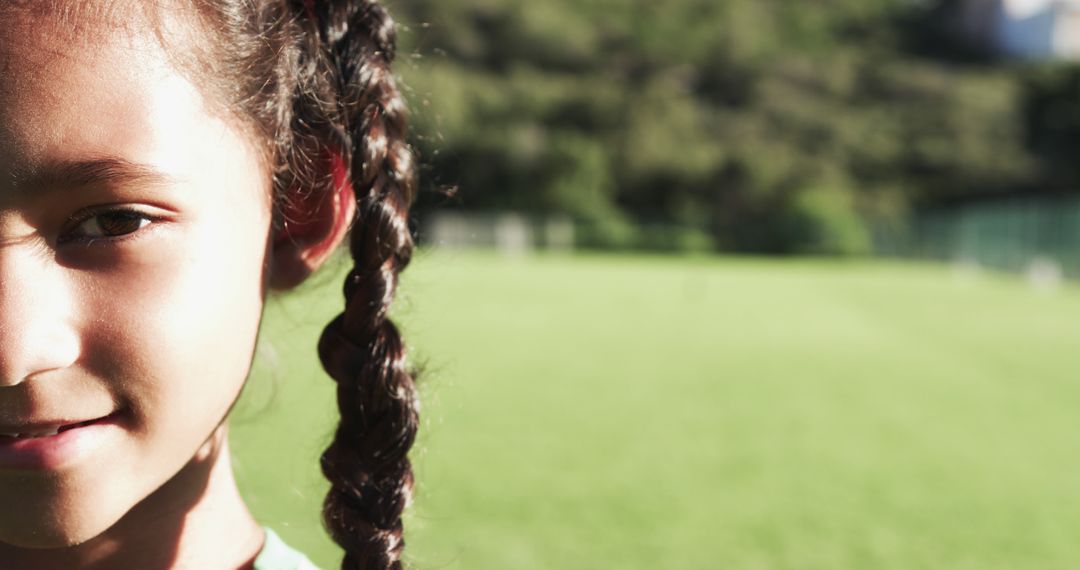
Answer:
(49, 516)
(48, 535)
(42, 539)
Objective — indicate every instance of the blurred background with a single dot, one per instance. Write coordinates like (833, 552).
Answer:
(723, 284)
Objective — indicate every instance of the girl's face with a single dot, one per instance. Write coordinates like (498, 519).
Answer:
(134, 226)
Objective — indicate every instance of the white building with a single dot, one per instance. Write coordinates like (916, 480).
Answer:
(1024, 29)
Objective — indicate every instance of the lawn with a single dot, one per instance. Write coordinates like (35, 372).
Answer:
(646, 412)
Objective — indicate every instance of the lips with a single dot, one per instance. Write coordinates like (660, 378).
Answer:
(53, 444)
(44, 429)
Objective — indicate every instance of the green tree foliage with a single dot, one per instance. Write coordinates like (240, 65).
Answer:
(748, 125)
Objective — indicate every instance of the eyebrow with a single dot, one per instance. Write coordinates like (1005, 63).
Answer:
(97, 171)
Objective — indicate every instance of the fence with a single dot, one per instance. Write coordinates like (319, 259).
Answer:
(1039, 235)
(508, 232)
(1019, 234)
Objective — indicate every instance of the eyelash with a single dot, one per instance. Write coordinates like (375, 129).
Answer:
(80, 219)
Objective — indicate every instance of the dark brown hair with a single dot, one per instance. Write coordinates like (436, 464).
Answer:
(313, 79)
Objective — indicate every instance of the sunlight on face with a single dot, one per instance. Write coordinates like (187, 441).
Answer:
(133, 236)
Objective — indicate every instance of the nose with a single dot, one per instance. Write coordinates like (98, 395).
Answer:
(36, 334)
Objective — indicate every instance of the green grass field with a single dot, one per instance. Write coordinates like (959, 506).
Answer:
(647, 412)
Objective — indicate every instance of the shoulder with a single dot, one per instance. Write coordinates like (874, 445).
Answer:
(276, 555)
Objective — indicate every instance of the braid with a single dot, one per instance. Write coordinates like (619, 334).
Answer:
(367, 464)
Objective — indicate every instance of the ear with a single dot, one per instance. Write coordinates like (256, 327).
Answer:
(313, 226)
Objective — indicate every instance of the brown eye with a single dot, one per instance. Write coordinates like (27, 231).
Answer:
(110, 224)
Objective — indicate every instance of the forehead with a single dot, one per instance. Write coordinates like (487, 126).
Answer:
(71, 23)
(47, 32)
(85, 78)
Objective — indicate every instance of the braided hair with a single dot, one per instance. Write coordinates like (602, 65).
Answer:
(313, 79)
(361, 349)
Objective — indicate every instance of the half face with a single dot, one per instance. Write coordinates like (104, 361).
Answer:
(134, 224)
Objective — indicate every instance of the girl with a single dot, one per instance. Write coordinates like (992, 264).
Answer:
(162, 166)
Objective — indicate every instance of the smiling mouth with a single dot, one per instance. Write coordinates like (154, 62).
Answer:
(51, 430)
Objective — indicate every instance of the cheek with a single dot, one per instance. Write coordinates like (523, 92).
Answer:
(179, 314)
